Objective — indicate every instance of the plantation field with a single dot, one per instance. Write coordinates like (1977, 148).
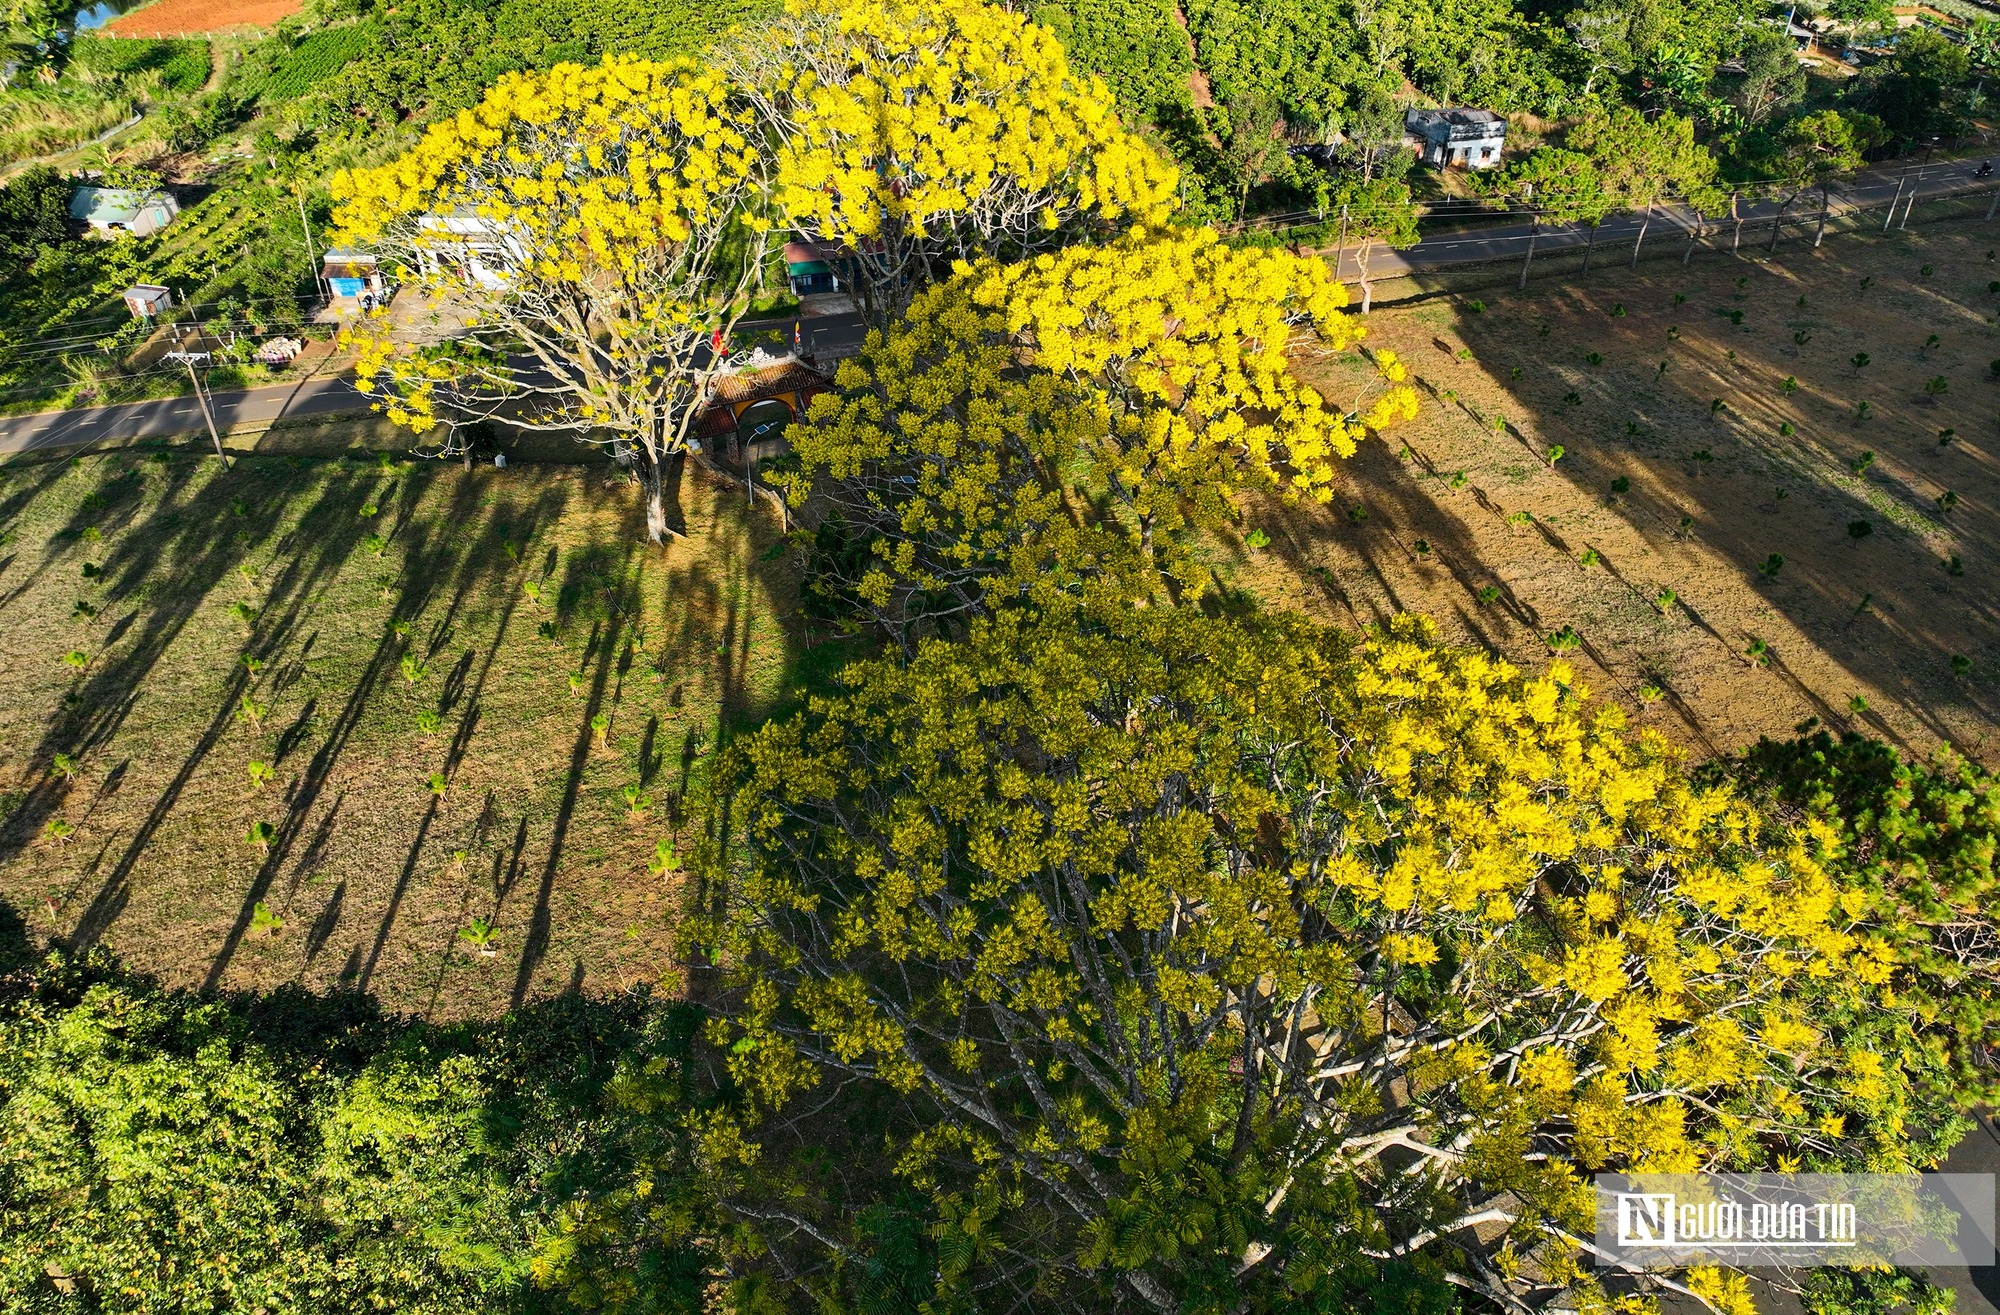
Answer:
(1477, 526)
(443, 746)
(175, 18)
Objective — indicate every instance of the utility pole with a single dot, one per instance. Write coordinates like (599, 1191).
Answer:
(312, 256)
(201, 398)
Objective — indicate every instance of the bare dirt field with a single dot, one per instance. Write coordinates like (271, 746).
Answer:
(183, 18)
(1693, 447)
(443, 744)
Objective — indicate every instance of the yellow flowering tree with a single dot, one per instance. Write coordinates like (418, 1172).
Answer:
(1159, 361)
(584, 234)
(1189, 964)
(910, 134)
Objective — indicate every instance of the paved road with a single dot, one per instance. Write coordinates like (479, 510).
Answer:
(837, 334)
(1873, 189)
(178, 415)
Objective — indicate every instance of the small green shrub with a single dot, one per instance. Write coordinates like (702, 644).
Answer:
(1622, 484)
(1929, 343)
(1857, 705)
(1861, 463)
(1952, 566)
(1758, 652)
(1476, 306)
(1802, 337)
(664, 859)
(243, 612)
(1771, 565)
(1257, 538)
(1573, 399)
(1859, 360)
(1786, 428)
(1618, 310)
(261, 834)
(637, 802)
(1791, 384)
(1664, 600)
(1947, 500)
(77, 658)
(479, 936)
(1565, 639)
(64, 765)
(414, 668)
(1936, 385)
(428, 721)
(1555, 453)
(58, 829)
(1945, 436)
(600, 726)
(261, 917)
(436, 782)
(1589, 557)
(1859, 530)
(260, 774)
(533, 590)
(1925, 271)
(369, 509)
(1961, 665)
(375, 544)
(1595, 358)
(84, 610)
(1489, 595)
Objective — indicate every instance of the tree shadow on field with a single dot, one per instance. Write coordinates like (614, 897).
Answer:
(1723, 469)
(438, 559)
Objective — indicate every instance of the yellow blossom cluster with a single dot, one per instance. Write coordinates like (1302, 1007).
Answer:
(1189, 338)
(569, 172)
(907, 116)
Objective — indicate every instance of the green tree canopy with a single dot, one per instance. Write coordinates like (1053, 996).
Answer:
(1157, 933)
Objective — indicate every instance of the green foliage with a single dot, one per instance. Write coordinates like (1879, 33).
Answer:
(317, 57)
(1136, 46)
(183, 65)
(166, 1152)
(1306, 55)
(34, 213)
(1907, 91)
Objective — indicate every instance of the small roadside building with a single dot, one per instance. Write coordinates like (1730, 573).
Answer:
(471, 248)
(1461, 138)
(813, 270)
(351, 275)
(148, 301)
(117, 211)
(750, 407)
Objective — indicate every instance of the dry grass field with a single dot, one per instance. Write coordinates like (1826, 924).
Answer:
(1693, 447)
(442, 745)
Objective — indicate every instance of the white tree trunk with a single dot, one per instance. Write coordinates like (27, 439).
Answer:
(1644, 224)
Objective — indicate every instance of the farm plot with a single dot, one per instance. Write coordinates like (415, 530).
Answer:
(180, 18)
(1737, 496)
(407, 729)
